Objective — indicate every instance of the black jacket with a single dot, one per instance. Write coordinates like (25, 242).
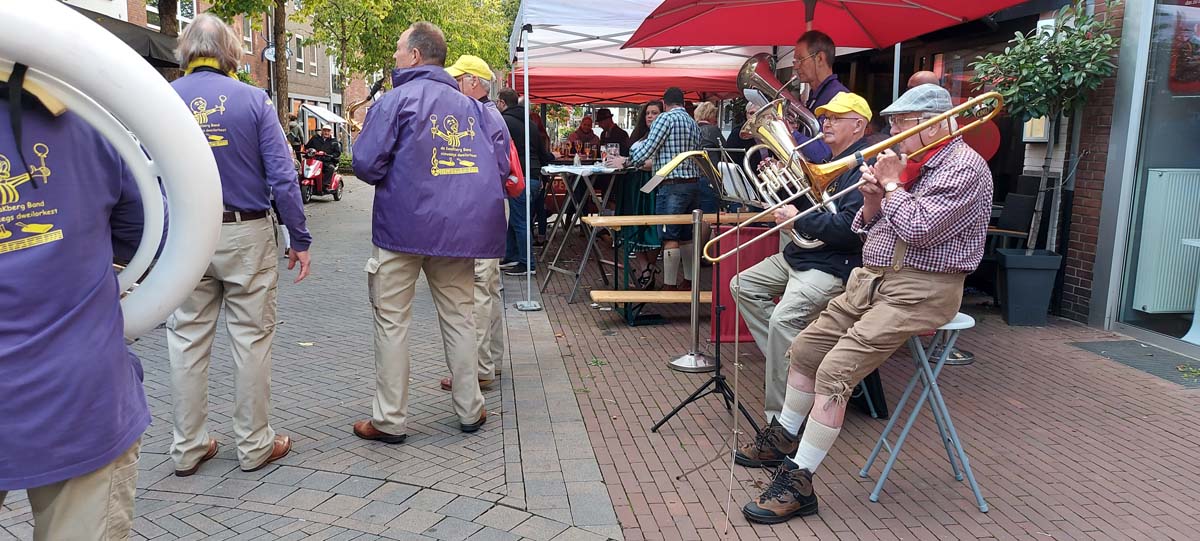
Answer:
(331, 147)
(514, 118)
(843, 248)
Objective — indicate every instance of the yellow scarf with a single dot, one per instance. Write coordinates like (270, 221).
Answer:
(205, 61)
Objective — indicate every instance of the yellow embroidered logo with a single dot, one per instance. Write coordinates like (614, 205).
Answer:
(450, 157)
(201, 110)
(14, 212)
(9, 183)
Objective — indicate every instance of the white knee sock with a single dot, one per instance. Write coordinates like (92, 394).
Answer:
(796, 405)
(814, 445)
(671, 266)
(686, 252)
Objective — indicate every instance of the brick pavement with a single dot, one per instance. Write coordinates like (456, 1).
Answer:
(528, 474)
(1065, 444)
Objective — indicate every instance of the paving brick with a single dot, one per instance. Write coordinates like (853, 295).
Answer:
(377, 512)
(452, 529)
(430, 500)
(502, 518)
(465, 508)
(357, 486)
(306, 499)
(492, 534)
(269, 493)
(341, 505)
(539, 529)
(323, 480)
(393, 493)
(416, 520)
(287, 475)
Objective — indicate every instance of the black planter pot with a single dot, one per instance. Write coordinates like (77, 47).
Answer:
(1026, 284)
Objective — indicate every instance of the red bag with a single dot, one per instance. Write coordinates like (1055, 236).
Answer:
(515, 183)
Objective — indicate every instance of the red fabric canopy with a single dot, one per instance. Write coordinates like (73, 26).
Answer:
(577, 86)
(851, 23)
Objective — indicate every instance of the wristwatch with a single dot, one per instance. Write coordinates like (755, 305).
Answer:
(891, 186)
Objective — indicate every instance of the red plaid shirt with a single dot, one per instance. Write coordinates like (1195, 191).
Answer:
(944, 218)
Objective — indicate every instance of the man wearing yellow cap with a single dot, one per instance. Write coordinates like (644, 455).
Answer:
(474, 79)
(804, 279)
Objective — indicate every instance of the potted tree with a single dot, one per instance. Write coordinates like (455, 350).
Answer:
(1047, 73)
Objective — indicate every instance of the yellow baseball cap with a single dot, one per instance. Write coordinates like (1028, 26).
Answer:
(470, 64)
(845, 102)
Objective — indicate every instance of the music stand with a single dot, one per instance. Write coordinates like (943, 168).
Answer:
(716, 382)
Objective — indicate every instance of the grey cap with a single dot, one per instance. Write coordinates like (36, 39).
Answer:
(927, 98)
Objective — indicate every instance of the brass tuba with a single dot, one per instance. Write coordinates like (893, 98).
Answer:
(144, 120)
(772, 127)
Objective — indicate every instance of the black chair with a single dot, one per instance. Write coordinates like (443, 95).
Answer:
(1012, 226)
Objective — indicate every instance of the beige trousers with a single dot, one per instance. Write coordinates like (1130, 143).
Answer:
(489, 317)
(95, 506)
(242, 277)
(880, 310)
(803, 294)
(391, 284)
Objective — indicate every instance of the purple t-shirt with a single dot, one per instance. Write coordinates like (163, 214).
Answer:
(817, 151)
(248, 143)
(72, 391)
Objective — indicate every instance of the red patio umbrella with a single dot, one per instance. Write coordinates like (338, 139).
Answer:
(851, 23)
(576, 86)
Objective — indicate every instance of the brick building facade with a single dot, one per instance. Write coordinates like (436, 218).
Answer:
(1089, 187)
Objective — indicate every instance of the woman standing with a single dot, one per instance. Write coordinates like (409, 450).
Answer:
(710, 137)
(642, 241)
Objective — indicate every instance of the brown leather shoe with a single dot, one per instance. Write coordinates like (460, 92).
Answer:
(475, 426)
(212, 451)
(448, 384)
(790, 495)
(367, 431)
(769, 448)
(283, 445)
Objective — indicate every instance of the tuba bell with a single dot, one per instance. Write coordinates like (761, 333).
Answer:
(144, 120)
(781, 176)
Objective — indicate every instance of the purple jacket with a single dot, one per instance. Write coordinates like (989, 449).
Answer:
(247, 140)
(438, 160)
(818, 151)
(72, 391)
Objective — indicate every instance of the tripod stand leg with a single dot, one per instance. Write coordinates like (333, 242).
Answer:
(728, 392)
(702, 391)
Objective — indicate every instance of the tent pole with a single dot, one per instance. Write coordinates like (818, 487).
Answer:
(528, 305)
(896, 75)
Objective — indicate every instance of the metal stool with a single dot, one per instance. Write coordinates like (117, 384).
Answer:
(941, 347)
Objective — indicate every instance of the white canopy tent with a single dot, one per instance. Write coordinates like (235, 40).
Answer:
(550, 34)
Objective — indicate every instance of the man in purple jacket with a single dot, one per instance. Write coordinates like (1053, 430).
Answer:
(813, 63)
(437, 159)
(73, 410)
(255, 163)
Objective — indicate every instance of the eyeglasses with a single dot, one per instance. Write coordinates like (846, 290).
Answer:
(893, 121)
(833, 119)
(801, 60)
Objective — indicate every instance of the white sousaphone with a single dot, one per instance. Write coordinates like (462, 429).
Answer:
(102, 80)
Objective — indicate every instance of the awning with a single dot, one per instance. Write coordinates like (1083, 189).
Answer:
(578, 86)
(156, 48)
(325, 115)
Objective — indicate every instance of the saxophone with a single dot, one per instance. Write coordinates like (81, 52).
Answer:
(356, 126)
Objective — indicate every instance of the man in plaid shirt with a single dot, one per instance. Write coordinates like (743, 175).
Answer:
(674, 132)
(925, 222)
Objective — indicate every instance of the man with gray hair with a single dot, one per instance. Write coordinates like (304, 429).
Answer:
(812, 62)
(925, 227)
(438, 160)
(255, 162)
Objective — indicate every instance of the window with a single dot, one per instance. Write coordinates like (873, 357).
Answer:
(312, 61)
(247, 35)
(187, 12)
(299, 54)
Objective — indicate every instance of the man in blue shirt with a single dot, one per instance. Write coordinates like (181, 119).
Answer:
(813, 64)
(255, 162)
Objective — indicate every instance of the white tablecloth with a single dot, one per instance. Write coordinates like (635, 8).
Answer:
(581, 170)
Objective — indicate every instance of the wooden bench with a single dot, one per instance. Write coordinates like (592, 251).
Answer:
(647, 297)
(617, 222)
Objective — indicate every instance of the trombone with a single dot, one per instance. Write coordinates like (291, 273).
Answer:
(820, 176)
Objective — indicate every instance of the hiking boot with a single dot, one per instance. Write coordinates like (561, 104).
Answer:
(790, 495)
(770, 447)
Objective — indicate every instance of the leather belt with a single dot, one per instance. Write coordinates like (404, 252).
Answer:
(232, 216)
(685, 180)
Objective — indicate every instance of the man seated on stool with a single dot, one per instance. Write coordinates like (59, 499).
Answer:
(804, 278)
(925, 222)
